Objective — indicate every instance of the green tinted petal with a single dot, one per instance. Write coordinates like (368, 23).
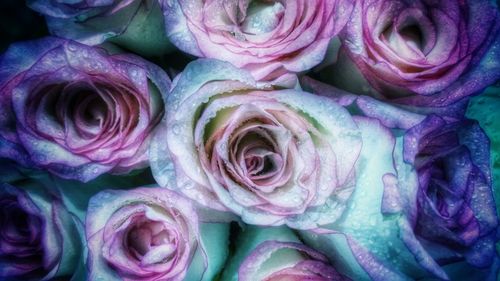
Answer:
(145, 34)
(215, 239)
(248, 240)
(485, 109)
(76, 194)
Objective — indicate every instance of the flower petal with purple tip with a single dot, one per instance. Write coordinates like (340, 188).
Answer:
(271, 156)
(78, 111)
(420, 53)
(271, 39)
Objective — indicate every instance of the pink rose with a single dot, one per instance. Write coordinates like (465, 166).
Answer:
(303, 263)
(269, 38)
(271, 156)
(277, 254)
(150, 234)
(420, 53)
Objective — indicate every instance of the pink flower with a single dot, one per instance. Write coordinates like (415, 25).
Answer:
(277, 254)
(420, 53)
(141, 234)
(271, 156)
(269, 38)
(267, 263)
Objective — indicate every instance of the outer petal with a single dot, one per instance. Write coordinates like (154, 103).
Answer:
(93, 31)
(483, 74)
(177, 29)
(133, 24)
(215, 240)
(24, 55)
(483, 109)
(76, 194)
(363, 226)
(249, 239)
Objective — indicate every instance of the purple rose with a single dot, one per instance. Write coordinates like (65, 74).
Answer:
(455, 212)
(38, 238)
(421, 53)
(423, 205)
(151, 234)
(269, 38)
(271, 156)
(75, 110)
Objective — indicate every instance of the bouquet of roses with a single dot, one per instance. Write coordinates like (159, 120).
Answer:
(252, 140)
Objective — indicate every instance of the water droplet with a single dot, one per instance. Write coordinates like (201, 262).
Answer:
(223, 146)
(169, 166)
(188, 185)
(134, 73)
(176, 129)
(72, 47)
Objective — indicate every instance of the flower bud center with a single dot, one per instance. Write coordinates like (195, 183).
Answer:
(262, 17)
(151, 242)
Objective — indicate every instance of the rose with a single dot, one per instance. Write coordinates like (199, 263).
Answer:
(270, 38)
(151, 234)
(422, 206)
(134, 24)
(38, 238)
(271, 156)
(275, 253)
(421, 53)
(310, 265)
(75, 110)
(454, 207)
